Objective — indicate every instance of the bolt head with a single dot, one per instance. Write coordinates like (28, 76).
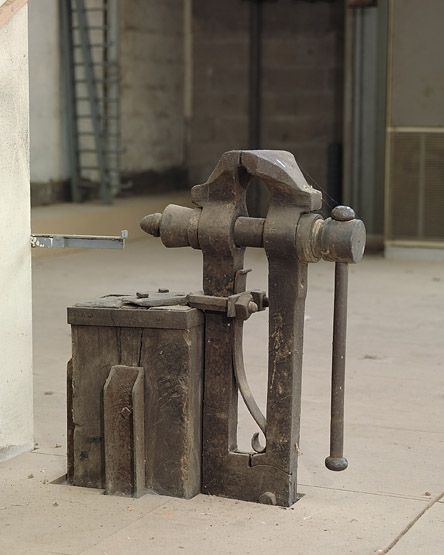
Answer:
(343, 214)
(268, 498)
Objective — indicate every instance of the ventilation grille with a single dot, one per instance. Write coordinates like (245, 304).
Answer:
(416, 186)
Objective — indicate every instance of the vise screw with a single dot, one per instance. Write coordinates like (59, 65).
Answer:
(292, 235)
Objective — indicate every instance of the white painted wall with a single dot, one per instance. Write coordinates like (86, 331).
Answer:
(15, 253)
(49, 160)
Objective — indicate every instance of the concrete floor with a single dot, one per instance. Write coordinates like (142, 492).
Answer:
(394, 415)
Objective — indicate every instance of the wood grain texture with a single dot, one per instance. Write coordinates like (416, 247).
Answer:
(123, 431)
(159, 317)
(172, 360)
(173, 413)
(69, 424)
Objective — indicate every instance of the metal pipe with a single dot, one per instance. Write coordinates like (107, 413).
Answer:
(70, 104)
(255, 78)
(336, 461)
(257, 195)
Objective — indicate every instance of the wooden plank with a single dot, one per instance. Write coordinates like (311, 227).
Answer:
(177, 317)
(173, 410)
(138, 400)
(130, 346)
(123, 407)
(69, 424)
(95, 351)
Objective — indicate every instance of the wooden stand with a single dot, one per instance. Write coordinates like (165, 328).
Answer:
(135, 399)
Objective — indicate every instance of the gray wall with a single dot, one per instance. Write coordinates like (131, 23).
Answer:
(417, 63)
(49, 160)
(415, 199)
(302, 81)
(302, 96)
(152, 86)
(186, 107)
(219, 119)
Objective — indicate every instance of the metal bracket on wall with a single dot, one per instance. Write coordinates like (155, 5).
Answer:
(51, 241)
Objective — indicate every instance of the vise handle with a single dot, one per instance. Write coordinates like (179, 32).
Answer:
(336, 460)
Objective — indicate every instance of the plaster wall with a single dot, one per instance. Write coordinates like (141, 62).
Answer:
(49, 160)
(301, 82)
(15, 260)
(152, 84)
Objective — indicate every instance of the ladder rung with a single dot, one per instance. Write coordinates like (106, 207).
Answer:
(88, 99)
(94, 151)
(102, 64)
(91, 27)
(108, 80)
(96, 45)
(90, 9)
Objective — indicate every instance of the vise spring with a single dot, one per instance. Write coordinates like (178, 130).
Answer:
(293, 235)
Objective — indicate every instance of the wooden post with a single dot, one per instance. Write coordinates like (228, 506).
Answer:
(69, 425)
(123, 418)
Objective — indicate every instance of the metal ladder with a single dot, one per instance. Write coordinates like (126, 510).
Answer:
(91, 76)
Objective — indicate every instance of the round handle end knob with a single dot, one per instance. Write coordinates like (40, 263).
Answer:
(336, 463)
(343, 214)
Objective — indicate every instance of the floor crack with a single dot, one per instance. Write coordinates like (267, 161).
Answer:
(391, 545)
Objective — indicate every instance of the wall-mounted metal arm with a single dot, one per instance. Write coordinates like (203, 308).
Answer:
(50, 241)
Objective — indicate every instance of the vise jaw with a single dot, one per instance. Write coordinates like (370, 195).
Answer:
(292, 236)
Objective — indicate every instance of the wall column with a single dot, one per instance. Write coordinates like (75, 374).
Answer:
(16, 431)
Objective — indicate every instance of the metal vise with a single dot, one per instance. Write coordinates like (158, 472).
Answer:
(292, 236)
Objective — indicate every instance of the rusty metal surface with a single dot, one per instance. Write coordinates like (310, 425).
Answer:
(292, 237)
